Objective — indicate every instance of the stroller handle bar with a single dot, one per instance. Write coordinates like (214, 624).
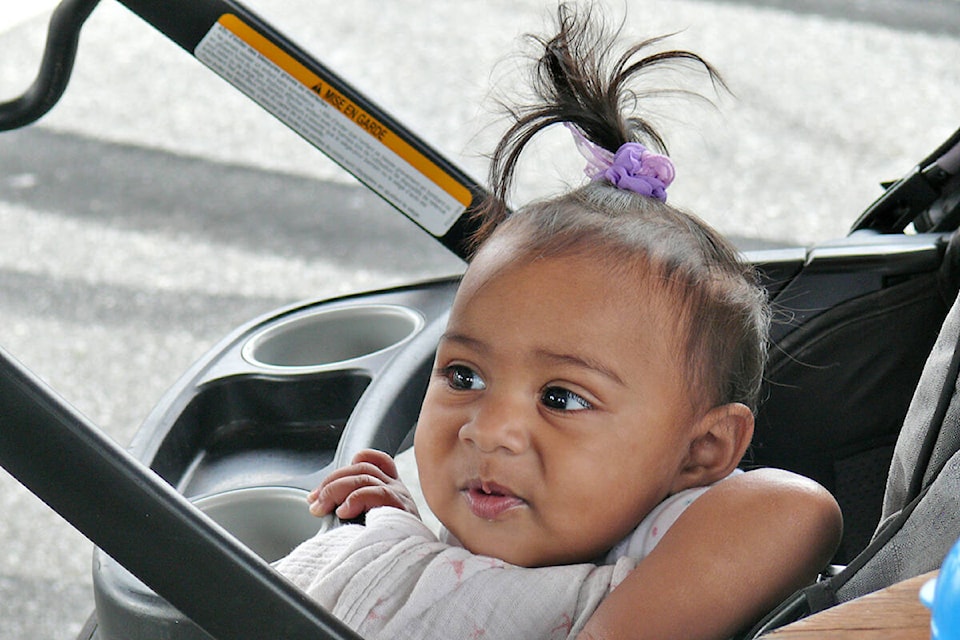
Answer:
(55, 67)
(300, 91)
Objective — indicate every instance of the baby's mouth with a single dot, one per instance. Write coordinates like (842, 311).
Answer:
(489, 500)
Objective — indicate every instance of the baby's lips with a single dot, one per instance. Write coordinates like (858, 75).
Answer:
(491, 488)
(491, 504)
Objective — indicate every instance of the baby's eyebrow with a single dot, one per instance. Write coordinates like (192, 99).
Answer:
(581, 362)
(465, 340)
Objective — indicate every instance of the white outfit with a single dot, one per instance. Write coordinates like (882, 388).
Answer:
(393, 578)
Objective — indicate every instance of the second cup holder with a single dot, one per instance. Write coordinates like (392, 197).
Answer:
(322, 339)
(271, 521)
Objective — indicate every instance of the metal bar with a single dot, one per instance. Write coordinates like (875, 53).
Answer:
(143, 523)
(187, 22)
(55, 67)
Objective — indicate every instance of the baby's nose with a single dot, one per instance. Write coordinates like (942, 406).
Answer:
(498, 426)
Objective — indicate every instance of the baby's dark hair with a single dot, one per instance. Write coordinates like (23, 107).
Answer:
(723, 310)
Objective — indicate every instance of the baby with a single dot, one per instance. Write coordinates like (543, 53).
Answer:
(592, 397)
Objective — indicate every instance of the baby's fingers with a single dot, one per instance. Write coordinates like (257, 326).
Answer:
(337, 488)
(367, 462)
(358, 469)
(382, 461)
(367, 498)
(371, 480)
(333, 491)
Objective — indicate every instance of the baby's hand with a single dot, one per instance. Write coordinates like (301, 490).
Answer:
(370, 481)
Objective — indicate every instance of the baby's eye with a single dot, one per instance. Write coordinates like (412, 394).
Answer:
(563, 400)
(463, 378)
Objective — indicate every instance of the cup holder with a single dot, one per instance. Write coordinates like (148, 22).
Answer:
(323, 339)
(271, 521)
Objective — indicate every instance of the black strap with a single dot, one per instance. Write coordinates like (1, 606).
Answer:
(802, 603)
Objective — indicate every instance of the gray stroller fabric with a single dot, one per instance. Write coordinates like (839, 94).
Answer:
(918, 543)
(921, 506)
(927, 439)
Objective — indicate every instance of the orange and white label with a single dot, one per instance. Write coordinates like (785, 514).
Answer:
(336, 125)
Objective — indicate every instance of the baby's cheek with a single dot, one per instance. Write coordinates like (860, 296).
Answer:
(435, 483)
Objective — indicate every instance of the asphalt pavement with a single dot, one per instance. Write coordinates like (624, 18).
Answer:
(155, 208)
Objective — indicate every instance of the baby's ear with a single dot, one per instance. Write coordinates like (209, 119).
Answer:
(718, 442)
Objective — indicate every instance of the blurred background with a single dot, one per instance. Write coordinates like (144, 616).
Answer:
(155, 208)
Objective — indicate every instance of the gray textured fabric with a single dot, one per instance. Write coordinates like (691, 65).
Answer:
(948, 440)
(919, 539)
(917, 422)
(921, 542)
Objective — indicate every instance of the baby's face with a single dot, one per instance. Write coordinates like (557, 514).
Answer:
(556, 417)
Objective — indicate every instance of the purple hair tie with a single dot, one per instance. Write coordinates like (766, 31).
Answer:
(633, 167)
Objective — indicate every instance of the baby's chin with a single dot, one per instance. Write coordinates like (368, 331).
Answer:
(529, 555)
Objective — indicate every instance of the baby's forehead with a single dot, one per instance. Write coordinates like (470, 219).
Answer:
(579, 272)
(507, 258)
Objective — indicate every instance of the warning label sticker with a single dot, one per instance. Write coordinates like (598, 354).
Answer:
(333, 123)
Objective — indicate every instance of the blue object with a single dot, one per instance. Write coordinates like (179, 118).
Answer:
(942, 596)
